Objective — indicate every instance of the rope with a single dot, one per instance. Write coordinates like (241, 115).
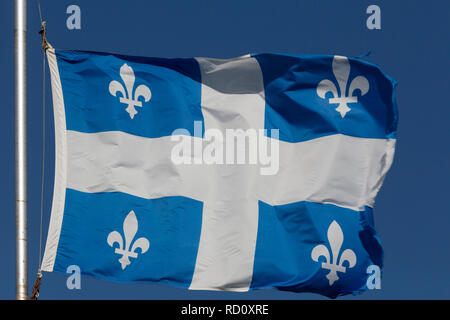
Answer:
(36, 286)
(45, 46)
(43, 158)
(43, 33)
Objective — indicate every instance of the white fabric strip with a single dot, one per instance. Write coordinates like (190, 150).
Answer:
(59, 189)
(337, 169)
(118, 161)
(232, 98)
(348, 175)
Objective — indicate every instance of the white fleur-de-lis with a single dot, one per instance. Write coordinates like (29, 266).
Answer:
(335, 239)
(341, 70)
(128, 78)
(130, 226)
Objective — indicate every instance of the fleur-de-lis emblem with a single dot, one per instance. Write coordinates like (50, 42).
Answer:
(335, 238)
(128, 78)
(130, 227)
(341, 70)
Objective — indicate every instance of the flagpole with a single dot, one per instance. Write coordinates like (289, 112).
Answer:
(20, 47)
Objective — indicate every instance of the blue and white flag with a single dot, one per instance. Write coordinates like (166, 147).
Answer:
(220, 174)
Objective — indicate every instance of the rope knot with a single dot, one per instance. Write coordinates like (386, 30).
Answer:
(43, 33)
(36, 286)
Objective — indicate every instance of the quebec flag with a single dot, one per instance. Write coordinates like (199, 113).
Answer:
(147, 187)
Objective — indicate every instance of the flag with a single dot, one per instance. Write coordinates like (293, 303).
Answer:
(220, 174)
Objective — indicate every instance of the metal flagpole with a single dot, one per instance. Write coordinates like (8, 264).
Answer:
(20, 55)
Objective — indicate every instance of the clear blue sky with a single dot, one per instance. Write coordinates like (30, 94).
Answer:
(411, 212)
